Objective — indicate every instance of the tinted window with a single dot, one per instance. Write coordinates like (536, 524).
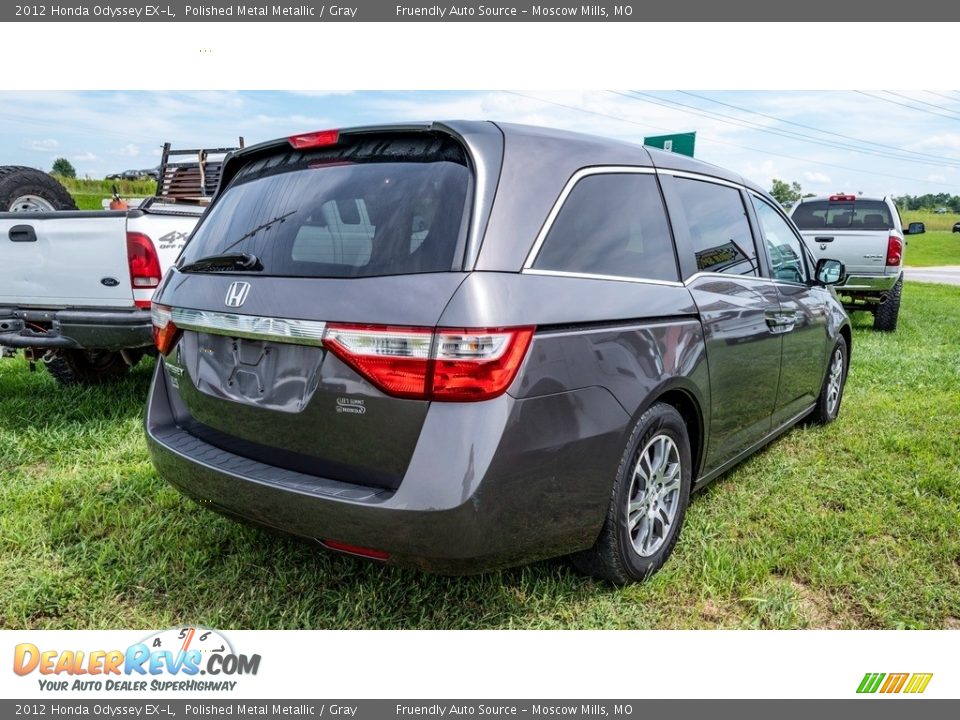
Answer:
(786, 249)
(611, 225)
(719, 229)
(856, 215)
(343, 219)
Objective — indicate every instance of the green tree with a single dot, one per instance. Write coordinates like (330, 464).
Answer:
(784, 193)
(63, 167)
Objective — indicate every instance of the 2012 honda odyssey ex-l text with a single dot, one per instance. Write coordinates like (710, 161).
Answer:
(466, 345)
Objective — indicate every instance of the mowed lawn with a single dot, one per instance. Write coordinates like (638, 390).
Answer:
(938, 247)
(856, 525)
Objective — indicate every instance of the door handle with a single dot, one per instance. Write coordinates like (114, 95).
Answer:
(22, 233)
(823, 239)
(780, 321)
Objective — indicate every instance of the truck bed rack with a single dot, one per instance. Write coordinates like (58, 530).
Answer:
(190, 175)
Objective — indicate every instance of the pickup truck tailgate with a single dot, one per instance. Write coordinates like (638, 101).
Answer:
(850, 229)
(859, 250)
(64, 259)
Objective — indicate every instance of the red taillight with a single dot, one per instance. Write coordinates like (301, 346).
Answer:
(894, 251)
(321, 138)
(477, 364)
(449, 364)
(842, 198)
(144, 267)
(395, 359)
(165, 333)
(356, 550)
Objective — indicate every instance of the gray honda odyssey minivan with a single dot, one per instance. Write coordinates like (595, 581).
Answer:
(466, 345)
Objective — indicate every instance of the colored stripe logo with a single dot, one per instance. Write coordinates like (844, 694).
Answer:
(913, 683)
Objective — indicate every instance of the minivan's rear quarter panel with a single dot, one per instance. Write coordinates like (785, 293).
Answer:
(629, 338)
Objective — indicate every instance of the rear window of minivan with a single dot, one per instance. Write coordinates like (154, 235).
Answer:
(843, 215)
(393, 207)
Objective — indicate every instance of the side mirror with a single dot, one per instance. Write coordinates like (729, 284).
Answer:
(829, 272)
(916, 228)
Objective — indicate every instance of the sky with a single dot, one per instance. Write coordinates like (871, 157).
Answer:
(874, 142)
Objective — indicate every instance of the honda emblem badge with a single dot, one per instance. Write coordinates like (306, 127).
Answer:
(237, 293)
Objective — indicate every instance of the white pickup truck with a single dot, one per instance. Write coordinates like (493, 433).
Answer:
(75, 286)
(867, 236)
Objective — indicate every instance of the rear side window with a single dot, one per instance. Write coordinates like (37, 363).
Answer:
(354, 216)
(719, 229)
(843, 215)
(611, 225)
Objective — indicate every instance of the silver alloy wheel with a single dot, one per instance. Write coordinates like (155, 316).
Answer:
(31, 203)
(835, 381)
(654, 495)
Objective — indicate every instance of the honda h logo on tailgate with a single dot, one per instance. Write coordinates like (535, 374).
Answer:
(237, 293)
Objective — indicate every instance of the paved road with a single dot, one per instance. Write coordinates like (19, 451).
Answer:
(949, 274)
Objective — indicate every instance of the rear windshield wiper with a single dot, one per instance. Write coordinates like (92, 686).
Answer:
(225, 262)
(258, 228)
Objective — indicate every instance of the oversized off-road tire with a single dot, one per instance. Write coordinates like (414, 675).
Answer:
(24, 189)
(648, 502)
(886, 314)
(831, 393)
(87, 367)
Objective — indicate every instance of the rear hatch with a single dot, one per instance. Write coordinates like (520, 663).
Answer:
(64, 259)
(846, 228)
(304, 353)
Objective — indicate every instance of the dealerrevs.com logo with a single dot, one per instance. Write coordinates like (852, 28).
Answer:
(892, 683)
(180, 659)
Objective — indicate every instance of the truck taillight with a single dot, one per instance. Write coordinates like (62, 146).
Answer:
(144, 267)
(165, 333)
(894, 251)
(449, 364)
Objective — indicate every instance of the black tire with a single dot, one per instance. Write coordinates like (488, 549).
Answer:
(87, 367)
(614, 557)
(17, 181)
(886, 314)
(826, 410)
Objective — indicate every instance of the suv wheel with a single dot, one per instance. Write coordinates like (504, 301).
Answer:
(886, 314)
(648, 502)
(831, 394)
(86, 367)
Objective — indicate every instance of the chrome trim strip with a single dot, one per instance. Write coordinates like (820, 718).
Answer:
(701, 176)
(650, 281)
(254, 327)
(591, 276)
(558, 205)
(728, 276)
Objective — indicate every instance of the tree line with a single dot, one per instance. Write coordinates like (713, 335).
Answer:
(787, 193)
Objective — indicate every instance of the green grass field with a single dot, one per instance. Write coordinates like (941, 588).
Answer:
(938, 247)
(855, 525)
(932, 221)
(89, 194)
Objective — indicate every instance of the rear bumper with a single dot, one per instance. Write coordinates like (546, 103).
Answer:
(490, 484)
(76, 328)
(869, 283)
